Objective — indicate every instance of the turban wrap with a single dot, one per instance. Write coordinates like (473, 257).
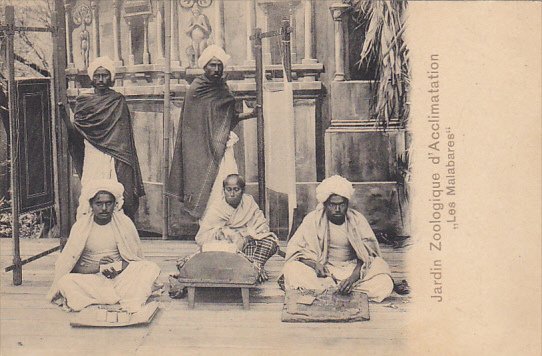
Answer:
(89, 190)
(210, 52)
(105, 62)
(334, 185)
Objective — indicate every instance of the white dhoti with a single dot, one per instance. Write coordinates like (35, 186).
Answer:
(131, 288)
(97, 165)
(227, 166)
(376, 285)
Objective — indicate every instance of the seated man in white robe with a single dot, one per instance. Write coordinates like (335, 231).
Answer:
(335, 247)
(102, 262)
(236, 223)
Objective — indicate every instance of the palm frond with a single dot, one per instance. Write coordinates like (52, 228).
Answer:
(385, 48)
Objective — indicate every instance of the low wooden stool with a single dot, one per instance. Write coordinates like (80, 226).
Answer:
(217, 269)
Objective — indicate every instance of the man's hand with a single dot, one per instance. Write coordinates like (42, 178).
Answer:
(249, 115)
(110, 272)
(346, 285)
(220, 235)
(256, 110)
(321, 270)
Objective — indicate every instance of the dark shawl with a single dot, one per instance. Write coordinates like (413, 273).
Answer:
(208, 115)
(104, 120)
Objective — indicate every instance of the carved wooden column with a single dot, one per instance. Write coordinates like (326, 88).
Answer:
(219, 24)
(308, 19)
(292, 8)
(337, 12)
(69, 44)
(146, 54)
(95, 29)
(250, 10)
(131, 56)
(159, 35)
(175, 55)
(117, 54)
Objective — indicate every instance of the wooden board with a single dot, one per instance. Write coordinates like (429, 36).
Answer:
(105, 317)
(219, 268)
(329, 306)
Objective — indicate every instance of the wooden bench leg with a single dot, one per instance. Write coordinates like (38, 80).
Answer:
(246, 298)
(191, 297)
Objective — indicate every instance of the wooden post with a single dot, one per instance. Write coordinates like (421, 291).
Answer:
(14, 146)
(63, 159)
(286, 59)
(166, 117)
(257, 43)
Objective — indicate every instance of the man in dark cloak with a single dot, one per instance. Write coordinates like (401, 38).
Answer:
(101, 138)
(207, 117)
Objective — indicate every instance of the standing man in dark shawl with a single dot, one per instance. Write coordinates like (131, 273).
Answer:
(101, 138)
(204, 137)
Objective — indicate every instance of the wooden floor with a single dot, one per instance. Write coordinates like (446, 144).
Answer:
(31, 326)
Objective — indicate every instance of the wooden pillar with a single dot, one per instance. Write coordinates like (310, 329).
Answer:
(95, 29)
(337, 12)
(260, 138)
(219, 24)
(14, 145)
(63, 190)
(117, 53)
(159, 34)
(174, 42)
(308, 19)
(69, 45)
(166, 118)
(250, 10)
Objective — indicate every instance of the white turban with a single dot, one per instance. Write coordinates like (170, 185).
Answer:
(89, 190)
(334, 185)
(210, 52)
(105, 62)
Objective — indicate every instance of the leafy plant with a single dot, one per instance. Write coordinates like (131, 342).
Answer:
(384, 49)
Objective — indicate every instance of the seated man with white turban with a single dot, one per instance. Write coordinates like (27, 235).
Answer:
(101, 137)
(335, 247)
(102, 262)
(237, 220)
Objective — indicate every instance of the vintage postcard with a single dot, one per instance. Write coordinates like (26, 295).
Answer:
(263, 177)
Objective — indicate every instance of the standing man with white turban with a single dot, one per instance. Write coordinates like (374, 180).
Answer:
(101, 137)
(335, 246)
(203, 154)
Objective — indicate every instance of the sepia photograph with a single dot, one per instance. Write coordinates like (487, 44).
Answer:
(263, 177)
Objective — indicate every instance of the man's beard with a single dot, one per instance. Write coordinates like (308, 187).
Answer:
(337, 220)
